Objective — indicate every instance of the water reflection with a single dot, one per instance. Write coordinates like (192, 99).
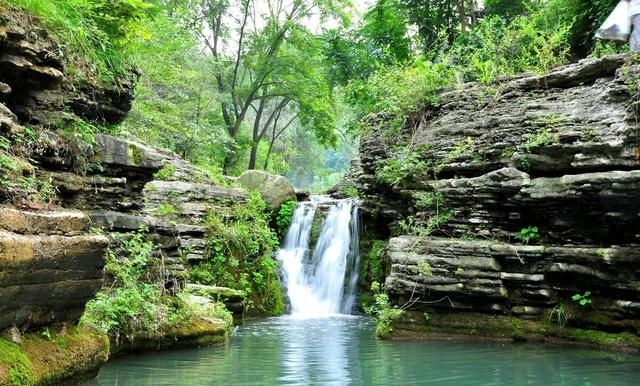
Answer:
(315, 351)
(340, 351)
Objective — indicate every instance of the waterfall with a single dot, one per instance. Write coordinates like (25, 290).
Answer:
(323, 281)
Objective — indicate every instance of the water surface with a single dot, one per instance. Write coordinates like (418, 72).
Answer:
(341, 351)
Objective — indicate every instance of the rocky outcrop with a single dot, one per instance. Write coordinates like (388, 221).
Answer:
(186, 204)
(67, 196)
(510, 199)
(35, 85)
(523, 280)
(50, 266)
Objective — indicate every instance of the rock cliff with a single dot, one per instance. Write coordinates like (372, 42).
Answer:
(65, 191)
(513, 198)
(36, 86)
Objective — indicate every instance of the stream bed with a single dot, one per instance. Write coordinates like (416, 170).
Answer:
(341, 351)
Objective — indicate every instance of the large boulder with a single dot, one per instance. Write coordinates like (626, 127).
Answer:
(274, 189)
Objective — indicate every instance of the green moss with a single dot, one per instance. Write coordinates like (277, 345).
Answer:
(315, 230)
(15, 368)
(500, 327)
(166, 173)
(166, 209)
(198, 332)
(136, 153)
(601, 338)
(372, 267)
(60, 354)
(69, 353)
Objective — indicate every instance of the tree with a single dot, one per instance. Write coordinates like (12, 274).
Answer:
(265, 62)
(384, 32)
(438, 18)
(174, 106)
(506, 8)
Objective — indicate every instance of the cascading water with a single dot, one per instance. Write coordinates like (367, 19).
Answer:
(323, 281)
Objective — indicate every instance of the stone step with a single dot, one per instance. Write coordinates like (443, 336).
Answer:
(49, 222)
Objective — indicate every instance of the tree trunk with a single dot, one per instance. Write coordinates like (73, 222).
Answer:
(462, 15)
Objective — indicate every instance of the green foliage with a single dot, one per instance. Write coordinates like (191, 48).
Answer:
(274, 68)
(46, 334)
(372, 266)
(492, 48)
(285, 216)
(17, 364)
(436, 19)
(433, 214)
(166, 173)
(176, 101)
(349, 190)
(346, 58)
(547, 134)
(404, 167)
(92, 32)
(560, 315)
(385, 33)
(400, 89)
(131, 303)
(429, 200)
(584, 299)
(134, 303)
(239, 253)
(412, 225)
(18, 179)
(495, 48)
(527, 234)
(424, 269)
(76, 129)
(384, 313)
(166, 209)
(506, 8)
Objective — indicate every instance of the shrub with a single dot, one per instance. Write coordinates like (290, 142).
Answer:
(528, 234)
(240, 254)
(383, 312)
(285, 216)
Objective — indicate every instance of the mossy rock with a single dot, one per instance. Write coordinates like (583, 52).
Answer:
(199, 332)
(15, 367)
(466, 325)
(53, 356)
(136, 154)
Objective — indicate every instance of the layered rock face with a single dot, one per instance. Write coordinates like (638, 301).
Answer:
(55, 187)
(49, 266)
(34, 84)
(515, 197)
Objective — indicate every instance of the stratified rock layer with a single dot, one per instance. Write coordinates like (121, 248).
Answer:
(34, 82)
(557, 155)
(49, 266)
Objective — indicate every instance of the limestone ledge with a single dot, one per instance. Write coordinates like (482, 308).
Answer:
(472, 326)
(49, 266)
(524, 280)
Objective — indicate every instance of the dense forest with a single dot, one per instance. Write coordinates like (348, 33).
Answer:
(281, 85)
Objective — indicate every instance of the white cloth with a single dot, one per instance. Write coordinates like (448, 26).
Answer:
(634, 7)
(634, 39)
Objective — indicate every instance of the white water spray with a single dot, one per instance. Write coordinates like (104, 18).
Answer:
(323, 281)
